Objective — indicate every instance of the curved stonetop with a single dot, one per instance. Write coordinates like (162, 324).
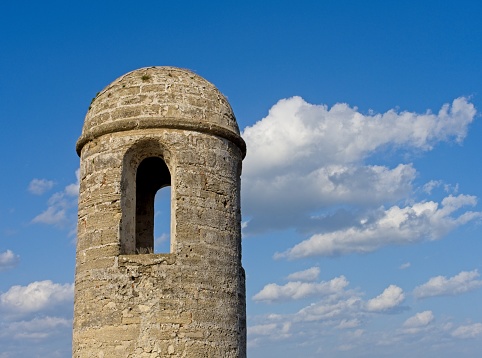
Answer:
(160, 97)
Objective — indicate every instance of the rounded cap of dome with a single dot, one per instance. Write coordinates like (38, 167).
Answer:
(160, 97)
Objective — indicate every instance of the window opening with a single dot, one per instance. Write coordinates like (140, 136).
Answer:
(152, 175)
(162, 220)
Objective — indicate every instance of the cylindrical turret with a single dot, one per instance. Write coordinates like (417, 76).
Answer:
(157, 127)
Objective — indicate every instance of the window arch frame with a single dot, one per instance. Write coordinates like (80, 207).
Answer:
(133, 158)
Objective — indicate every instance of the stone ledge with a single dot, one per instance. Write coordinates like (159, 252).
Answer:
(146, 259)
(128, 124)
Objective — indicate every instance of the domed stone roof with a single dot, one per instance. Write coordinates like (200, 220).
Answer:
(160, 97)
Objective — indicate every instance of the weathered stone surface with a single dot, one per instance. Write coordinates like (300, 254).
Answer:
(189, 302)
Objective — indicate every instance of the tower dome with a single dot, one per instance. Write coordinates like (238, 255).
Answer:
(160, 97)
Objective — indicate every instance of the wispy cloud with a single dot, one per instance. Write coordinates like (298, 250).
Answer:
(431, 185)
(40, 186)
(420, 319)
(73, 189)
(310, 274)
(55, 214)
(463, 282)
(61, 207)
(468, 331)
(38, 328)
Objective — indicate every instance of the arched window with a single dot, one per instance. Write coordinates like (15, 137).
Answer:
(152, 175)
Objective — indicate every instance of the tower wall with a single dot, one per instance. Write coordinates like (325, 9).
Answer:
(186, 303)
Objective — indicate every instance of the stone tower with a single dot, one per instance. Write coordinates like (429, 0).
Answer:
(151, 128)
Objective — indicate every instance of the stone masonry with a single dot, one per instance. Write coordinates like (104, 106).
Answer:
(152, 128)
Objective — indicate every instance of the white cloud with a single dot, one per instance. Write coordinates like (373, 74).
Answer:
(310, 274)
(454, 189)
(73, 189)
(59, 206)
(272, 331)
(349, 323)
(36, 296)
(390, 298)
(420, 319)
(404, 266)
(468, 331)
(298, 290)
(331, 309)
(304, 158)
(420, 221)
(8, 260)
(40, 186)
(290, 199)
(53, 215)
(342, 309)
(39, 328)
(431, 185)
(164, 237)
(262, 329)
(344, 317)
(463, 282)
(298, 133)
(311, 173)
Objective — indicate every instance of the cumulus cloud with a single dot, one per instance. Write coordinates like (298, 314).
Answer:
(390, 298)
(336, 305)
(298, 133)
(395, 226)
(290, 199)
(36, 296)
(342, 316)
(463, 282)
(39, 313)
(304, 158)
(296, 290)
(468, 331)
(59, 205)
(40, 186)
(8, 260)
(420, 319)
(310, 274)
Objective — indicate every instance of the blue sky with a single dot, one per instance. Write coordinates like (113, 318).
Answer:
(360, 190)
